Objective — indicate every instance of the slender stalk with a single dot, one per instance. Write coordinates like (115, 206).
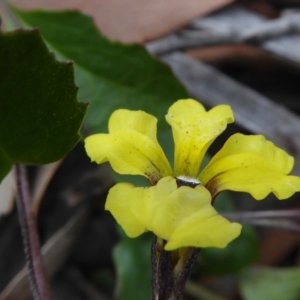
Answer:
(185, 262)
(37, 278)
(156, 252)
(242, 216)
(162, 275)
(170, 270)
(283, 219)
(275, 223)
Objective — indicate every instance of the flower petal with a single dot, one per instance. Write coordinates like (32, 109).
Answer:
(205, 228)
(194, 129)
(182, 216)
(139, 121)
(131, 146)
(251, 164)
(120, 200)
(174, 205)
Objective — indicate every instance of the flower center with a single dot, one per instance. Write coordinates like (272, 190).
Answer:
(183, 180)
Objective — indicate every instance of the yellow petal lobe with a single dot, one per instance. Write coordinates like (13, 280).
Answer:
(205, 228)
(130, 146)
(120, 201)
(251, 164)
(194, 129)
(183, 216)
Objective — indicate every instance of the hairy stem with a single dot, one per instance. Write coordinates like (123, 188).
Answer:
(37, 278)
(170, 270)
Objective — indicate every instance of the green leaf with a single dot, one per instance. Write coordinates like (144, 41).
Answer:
(132, 261)
(39, 114)
(110, 75)
(270, 284)
(240, 253)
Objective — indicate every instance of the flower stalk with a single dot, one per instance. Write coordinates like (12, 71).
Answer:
(170, 270)
(37, 278)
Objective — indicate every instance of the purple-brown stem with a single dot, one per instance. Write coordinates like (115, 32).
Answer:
(170, 270)
(37, 278)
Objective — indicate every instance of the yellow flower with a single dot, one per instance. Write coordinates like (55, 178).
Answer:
(178, 205)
